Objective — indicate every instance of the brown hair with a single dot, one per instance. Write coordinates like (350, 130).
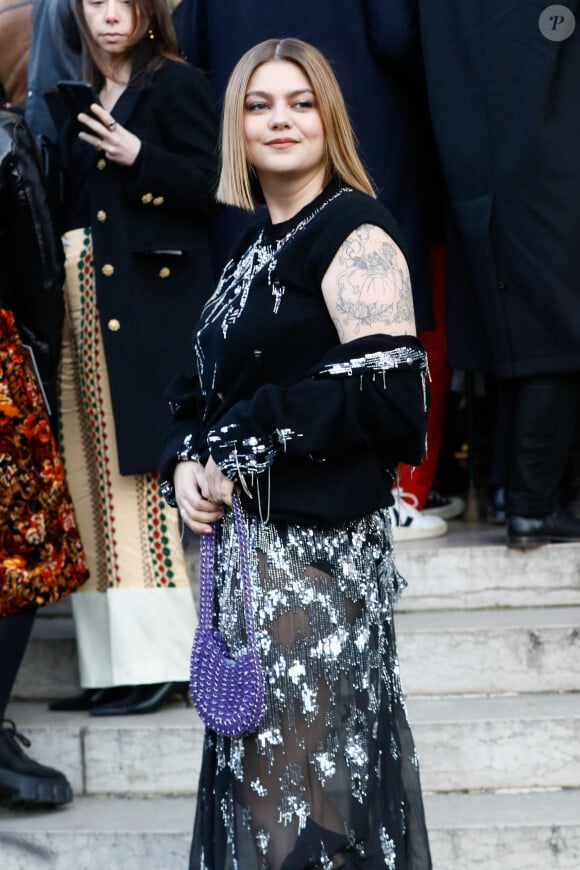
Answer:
(238, 184)
(153, 42)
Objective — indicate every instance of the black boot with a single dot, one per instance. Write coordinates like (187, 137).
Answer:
(143, 699)
(556, 528)
(24, 782)
(89, 699)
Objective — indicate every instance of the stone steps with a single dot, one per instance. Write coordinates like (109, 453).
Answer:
(473, 651)
(489, 646)
(519, 831)
(472, 569)
(465, 744)
(490, 651)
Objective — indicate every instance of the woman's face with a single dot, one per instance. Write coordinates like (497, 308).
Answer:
(284, 133)
(111, 24)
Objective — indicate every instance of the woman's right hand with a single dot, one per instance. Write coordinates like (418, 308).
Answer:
(196, 511)
(105, 134)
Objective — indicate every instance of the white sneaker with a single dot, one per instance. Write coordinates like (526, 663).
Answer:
(408, 523)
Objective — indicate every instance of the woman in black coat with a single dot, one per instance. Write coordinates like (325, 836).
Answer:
(141, 169)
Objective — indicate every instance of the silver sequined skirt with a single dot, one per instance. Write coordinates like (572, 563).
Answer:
(331, 777)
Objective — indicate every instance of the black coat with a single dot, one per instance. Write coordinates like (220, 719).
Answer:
(373, 46)
(503, 79)
(31, 256)
(151, 250)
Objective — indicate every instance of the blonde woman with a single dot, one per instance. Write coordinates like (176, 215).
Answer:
(310, 389)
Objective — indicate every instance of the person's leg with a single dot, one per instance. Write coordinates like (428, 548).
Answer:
(420, 480)
(505, 394)
(414, 484)
(14, 633)
(545, 417)
(23, 782)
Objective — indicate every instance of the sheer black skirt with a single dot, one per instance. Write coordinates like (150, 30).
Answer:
(331, 778)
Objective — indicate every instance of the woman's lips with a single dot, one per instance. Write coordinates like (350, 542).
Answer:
(281, 143)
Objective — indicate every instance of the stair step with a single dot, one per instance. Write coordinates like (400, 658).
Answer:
(516, 831)
(479, 652)
(497, 742)
(49, 668)
(490, 651)
(471, 568)
(480, 743)
(511, 831)
(100, 834)
(133, 755)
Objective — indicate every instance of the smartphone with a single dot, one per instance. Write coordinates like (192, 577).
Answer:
(77, 96)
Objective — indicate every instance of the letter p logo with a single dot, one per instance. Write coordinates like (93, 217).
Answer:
(557, 23)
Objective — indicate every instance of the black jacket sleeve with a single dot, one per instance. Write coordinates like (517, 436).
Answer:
(183, 435)
(368, 395)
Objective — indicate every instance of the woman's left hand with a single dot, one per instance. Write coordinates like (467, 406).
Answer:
(217, 487)
(118, 143)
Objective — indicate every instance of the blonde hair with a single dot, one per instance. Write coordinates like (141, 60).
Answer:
(238, 184)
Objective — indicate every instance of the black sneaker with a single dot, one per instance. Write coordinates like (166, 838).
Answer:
(446, 507)
(26, 783)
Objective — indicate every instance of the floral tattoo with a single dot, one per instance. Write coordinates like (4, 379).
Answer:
(372, 283)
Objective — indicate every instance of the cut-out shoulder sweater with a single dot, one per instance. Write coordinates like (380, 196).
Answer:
(313, 429)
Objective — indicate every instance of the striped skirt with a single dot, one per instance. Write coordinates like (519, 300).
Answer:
(135, 616)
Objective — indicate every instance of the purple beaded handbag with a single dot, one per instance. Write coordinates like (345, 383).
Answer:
(229, 693)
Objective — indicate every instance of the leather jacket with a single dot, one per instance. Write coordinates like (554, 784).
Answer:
(31, 254)
(55, 53)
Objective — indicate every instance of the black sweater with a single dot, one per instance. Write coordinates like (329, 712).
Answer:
(278, 396)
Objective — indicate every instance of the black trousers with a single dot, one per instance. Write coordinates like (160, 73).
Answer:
(544, 412)
(14, 633)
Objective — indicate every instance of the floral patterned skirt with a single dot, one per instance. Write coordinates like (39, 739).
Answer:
(41, 554)
(331, 778)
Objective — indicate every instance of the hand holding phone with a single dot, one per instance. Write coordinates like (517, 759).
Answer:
(77, 96)
(100, 130)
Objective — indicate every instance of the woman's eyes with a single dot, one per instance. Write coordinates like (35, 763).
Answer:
(261, 106)
(128, 3)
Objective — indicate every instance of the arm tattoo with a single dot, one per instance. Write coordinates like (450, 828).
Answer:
(372, 285)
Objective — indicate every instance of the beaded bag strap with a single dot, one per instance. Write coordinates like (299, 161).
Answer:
(206, 575)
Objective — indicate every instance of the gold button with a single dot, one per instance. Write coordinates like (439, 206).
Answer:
(101, 216)
(159, 200)
(146, 198)
(114, 325)
(165, 272)
(101, 163)
(107, 270)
